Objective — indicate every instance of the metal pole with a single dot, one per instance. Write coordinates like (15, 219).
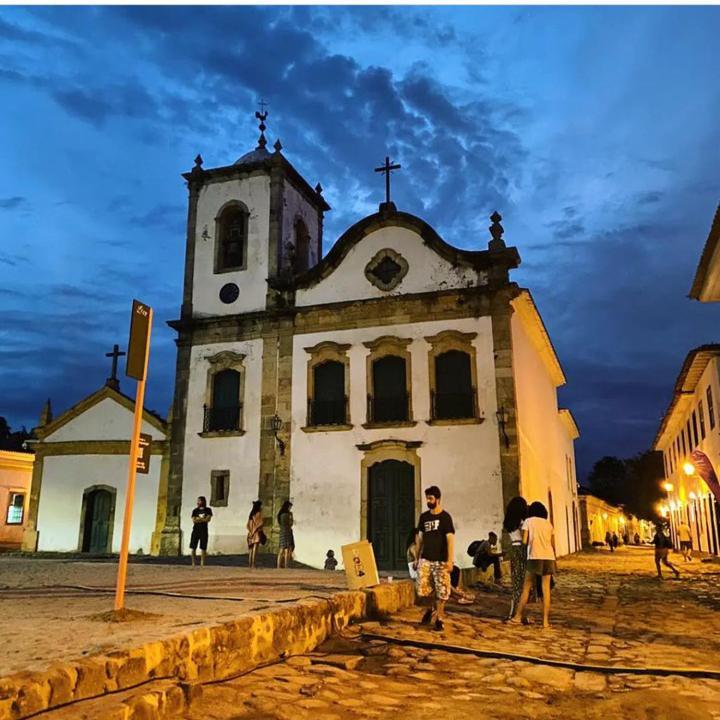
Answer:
(132, 471)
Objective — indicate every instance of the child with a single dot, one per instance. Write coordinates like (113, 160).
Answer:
(330, 561)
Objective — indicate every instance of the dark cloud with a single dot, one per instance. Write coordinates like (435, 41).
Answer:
(13, 203)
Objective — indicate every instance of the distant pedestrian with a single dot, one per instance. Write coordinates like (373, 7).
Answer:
(330, 560)
(287, 538)
(636, 539)
(255, 533)
(615, 541)
(539, 536)
(685, 538)
(609, 541)
(515, 516)
(435, 551)
(201, 516)
(662, 545)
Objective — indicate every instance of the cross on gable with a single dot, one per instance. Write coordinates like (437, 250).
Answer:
(115, 354)
(386, 169)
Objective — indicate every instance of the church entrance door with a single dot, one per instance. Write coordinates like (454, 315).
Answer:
(99, 513)
(391, 516)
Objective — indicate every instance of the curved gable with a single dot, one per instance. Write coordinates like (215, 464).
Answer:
(428, 263)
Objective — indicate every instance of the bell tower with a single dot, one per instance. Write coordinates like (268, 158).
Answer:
(251, 226)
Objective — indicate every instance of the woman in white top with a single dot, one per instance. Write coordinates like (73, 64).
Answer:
(539, 536)
(515, 516)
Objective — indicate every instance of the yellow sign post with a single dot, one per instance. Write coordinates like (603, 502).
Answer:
(137, 364)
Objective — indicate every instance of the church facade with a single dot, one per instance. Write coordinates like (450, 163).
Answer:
(348, 383)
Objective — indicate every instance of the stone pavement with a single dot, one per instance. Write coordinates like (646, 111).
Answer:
(608, 610)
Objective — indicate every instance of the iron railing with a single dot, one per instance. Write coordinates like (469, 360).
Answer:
(454, 406)
(328, 412)
(389, 408)
(222, 419)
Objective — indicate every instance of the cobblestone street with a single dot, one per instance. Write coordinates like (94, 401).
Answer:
(609, 610)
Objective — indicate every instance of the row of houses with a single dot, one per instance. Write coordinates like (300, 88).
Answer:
(689, 433)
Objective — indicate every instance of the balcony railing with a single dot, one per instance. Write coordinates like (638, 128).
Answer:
(454, 406)
(222, 419)
(328, 412)
(390, 408)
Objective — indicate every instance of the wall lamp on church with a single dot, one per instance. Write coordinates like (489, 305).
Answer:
(276, 424)
(502, 418)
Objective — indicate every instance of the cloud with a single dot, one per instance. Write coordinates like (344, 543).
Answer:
(13, 203)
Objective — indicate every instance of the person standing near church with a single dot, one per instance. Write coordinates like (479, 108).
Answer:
(515, 515)
(287, 539)
(435, 552)
(201, 516)
(255, 534)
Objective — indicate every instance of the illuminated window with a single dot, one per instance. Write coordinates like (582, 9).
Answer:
(15, 509)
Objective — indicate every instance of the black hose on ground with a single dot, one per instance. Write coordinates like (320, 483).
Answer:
(582, 667)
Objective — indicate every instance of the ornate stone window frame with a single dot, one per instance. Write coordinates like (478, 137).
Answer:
(379, 348)
(439, 344)
(379, 256)
(225, 360)
(327, 351)
(388, 449)
(218, 237)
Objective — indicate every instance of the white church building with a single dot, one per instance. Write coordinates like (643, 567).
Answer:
(346, 383)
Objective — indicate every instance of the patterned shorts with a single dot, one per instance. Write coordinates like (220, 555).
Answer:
(433, 576)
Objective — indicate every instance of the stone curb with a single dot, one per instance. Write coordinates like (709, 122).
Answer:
(200, 655)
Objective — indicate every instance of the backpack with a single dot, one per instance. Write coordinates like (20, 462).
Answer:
(473, 548)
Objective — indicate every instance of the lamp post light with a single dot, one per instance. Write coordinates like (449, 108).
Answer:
(276, 424)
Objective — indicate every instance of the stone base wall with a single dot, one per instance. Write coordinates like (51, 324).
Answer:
(207, 653)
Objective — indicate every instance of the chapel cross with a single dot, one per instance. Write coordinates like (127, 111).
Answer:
(115, 354)
(387, 168)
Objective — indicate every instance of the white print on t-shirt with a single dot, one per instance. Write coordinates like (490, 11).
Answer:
(430, 525)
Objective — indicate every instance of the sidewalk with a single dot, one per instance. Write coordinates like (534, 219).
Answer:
(42, 622)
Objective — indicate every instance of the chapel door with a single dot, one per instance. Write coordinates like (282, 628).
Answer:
(391, 512)
(97, 521)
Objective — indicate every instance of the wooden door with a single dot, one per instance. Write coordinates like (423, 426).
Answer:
(391, 512)
(100, 521)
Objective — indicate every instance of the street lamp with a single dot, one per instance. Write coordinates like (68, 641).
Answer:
(688, 468)
(668, 487)
(276, 424)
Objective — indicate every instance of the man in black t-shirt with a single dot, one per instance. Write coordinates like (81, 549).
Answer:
(435, 550)
(201, 516)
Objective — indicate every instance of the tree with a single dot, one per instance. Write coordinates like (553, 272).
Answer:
(608, 479)
(633, 483)
(12, 440)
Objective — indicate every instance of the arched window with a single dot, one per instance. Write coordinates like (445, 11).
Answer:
(302, 246)
(231, 234)
(328, 404)
(454, 394)
(224, 410)
(389, 401)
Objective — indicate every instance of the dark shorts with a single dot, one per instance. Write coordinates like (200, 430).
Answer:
(199, 536)
(541, 567)
(686, 544)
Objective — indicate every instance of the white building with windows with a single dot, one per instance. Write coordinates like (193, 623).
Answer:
(348, 383)
(691, 422)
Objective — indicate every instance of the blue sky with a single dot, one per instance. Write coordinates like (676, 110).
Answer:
(594, 131)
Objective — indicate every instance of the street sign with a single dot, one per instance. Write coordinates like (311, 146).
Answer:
(139, 456)
(143, 457)
(139, 338)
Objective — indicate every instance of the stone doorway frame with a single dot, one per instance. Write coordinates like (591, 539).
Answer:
(377, 451)
(83, 512)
